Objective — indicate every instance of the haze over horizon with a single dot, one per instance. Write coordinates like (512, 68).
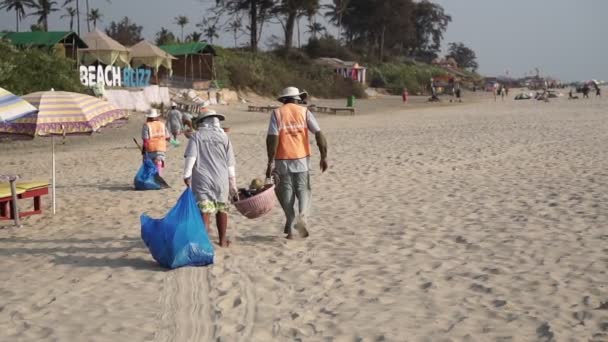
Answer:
(560, 37)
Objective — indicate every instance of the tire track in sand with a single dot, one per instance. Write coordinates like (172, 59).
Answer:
(186, 307)
(249, 301)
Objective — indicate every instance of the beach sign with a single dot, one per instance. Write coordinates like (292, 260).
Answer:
(114, 76)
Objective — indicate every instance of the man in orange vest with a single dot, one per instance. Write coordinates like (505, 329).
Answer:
(289, 153)
(155, 136)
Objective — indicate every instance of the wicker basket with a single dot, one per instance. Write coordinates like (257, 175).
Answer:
(258, 205)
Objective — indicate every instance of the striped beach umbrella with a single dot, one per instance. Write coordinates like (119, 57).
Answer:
(64, 113)
(13, 107)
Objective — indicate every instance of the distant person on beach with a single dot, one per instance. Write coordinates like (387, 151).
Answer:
(210, 171)
(175, 121)
(586, 91)
(289, 154)
(495, 91)
(155, 136)
(598, 92)
(457, 91)
(502, 92)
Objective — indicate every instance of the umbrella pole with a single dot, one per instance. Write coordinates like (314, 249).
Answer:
(53, 183)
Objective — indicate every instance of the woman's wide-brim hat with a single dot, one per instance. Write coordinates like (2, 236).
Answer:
(152, 113)
(209, 114)
(292, 92)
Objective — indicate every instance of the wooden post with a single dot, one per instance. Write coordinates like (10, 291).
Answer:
(53, 184)
(15, 208)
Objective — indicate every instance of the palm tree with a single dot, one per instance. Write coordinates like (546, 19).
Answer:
(211, 33)
(44, 8)
(70, 13)
(94, 16)
(182, 21)
(235, 27)
(67, 2)
(314, 29)
(19, 7)
(336, 13)
(194, 37)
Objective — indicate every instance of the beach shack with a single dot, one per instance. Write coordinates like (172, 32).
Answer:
(346, 69)
(146, 54)
(103, 50)
(193, 63)
(65, 43)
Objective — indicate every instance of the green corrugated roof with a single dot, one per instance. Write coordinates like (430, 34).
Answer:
(188, 48)
(40, 38)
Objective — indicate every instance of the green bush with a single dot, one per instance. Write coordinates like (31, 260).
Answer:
(329, 47)
(267, 73)
(395, 77)
(30, 70)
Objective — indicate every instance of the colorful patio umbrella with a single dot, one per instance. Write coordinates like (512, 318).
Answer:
(63, 113)
(13, 107)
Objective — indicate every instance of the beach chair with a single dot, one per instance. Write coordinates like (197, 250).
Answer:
(33, 190)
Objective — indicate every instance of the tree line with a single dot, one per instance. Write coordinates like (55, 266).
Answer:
(403, 27)
(42, 9)
(374, 28)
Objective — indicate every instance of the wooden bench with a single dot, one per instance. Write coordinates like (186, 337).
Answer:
(33, 190)
(262, 109)
(335, 110)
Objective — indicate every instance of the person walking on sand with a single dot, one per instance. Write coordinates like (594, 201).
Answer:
(175, 122)
(210, 171)
(155, 136)
(288, 148)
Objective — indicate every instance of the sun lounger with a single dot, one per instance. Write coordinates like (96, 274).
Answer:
(335, 110)
(34, 190)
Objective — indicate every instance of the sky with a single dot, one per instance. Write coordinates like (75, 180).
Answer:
(563, 38)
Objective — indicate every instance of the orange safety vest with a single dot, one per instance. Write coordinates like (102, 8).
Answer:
(157, 141)
(293, 132)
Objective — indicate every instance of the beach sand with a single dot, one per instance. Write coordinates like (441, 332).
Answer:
(482, 221)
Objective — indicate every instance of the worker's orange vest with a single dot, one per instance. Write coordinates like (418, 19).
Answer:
(293, 132)
(157, 142)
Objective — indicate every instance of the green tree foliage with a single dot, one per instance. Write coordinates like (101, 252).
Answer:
(290, 11)
(211, 32)
(463, 55)
(125, 32)
(397, 26)
(19, 7)
(336, 11)
(77, 2)
(70, 12)
(194, 37)
(328, 46)
(42, 10)
(181, 21)
(431, 22)
(258, 12)
(165, 37)
(94, 16)
(30, 70)
(235, 27)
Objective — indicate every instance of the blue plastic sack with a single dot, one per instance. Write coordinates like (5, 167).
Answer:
(147, 177)
(180, 238)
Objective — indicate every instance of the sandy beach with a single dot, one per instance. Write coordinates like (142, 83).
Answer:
(481, 221)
